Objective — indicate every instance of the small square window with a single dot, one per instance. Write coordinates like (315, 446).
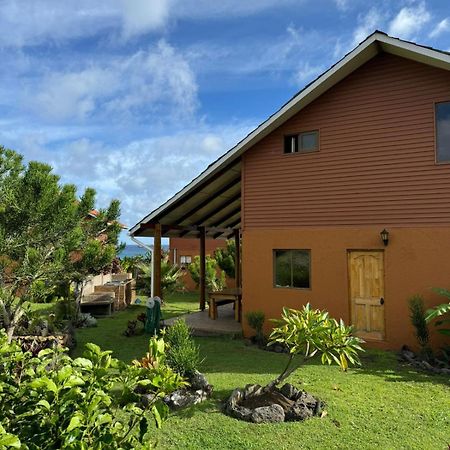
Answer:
(308, 141)
(303, 142)
(292, 268)
(443, 132)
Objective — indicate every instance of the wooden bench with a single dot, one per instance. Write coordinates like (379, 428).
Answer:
(217, 298)
(97, 303)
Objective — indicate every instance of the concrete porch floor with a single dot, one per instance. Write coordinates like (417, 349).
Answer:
(202, 325)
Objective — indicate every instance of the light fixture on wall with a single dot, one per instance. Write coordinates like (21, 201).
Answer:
(385, 236)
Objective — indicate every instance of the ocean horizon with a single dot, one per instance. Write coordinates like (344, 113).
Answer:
(132, 250)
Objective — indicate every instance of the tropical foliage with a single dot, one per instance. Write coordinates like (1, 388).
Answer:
(225, 258)
(311, 332)
(418, 319)
(183, 355)
(215, 278)
(256, 321)
(48, 238)
(441, 313)
(170, 276)
(53, 401)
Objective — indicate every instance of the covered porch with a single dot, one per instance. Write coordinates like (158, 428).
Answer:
(202, 325)
(209, 210)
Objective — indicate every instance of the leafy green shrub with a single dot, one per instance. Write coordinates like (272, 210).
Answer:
(417, 316)
(225, 258)
(439, 311)
(215, 278)
(256, 320)
(310, 332)
(182, 354)
(170, 276)
(53, 401)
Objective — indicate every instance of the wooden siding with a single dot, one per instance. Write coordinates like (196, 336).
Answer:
(376, 162)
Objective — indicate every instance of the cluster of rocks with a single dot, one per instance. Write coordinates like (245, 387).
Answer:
(198, 391)
(416, 361)
(253, 404)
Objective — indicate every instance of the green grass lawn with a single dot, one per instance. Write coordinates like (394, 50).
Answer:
(109, 332)
(378, 406)
(382, 405)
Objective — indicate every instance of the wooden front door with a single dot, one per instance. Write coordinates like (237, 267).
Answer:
(366, 272)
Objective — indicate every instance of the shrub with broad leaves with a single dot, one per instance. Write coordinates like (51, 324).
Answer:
(312, 332)
(52, 401)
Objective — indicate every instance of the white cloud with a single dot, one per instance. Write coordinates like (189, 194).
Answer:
(25, 22)
(306, 73)
(156, 81)
(204, 9)
(342, 5)
(442, 27)
(140, 16)
(141, 173)
(409, 21)
(367, 24)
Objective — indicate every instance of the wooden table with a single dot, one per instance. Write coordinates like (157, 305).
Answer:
(232, 295)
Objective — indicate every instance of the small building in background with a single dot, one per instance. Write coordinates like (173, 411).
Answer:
(183, 251)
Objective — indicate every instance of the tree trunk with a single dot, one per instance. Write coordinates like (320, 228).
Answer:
(286, 372)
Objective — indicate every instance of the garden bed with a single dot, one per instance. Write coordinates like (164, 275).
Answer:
(288, 404)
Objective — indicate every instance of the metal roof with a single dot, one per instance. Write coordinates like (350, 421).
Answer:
(212, 200)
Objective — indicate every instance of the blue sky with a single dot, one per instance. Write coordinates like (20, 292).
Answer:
(136, 97)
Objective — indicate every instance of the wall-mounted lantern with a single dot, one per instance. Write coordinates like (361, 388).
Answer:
(385, 237)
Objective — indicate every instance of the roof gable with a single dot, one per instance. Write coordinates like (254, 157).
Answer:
(374, 44)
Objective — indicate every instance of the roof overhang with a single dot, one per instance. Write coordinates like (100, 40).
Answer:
(207, 202)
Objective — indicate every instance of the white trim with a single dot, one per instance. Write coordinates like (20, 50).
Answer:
(350, 62)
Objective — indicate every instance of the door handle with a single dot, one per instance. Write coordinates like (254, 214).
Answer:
(381, 301)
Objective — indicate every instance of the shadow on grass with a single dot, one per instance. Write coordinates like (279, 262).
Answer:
(227, 355)
(210, 406)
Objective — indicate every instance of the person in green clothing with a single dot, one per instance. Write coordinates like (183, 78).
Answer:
(154, 316)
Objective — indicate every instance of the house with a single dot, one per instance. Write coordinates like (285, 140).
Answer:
(183, 251)
(342, 197)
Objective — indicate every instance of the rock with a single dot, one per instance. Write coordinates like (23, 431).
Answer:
(307, 399)
(268, 414)
(235, 398)
(183, 398)
(298, 412)
(277, 348)
(198, 381)
(241, 413)
(290, 391)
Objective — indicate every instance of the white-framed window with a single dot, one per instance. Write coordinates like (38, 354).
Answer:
(305, 142)
(185, 260)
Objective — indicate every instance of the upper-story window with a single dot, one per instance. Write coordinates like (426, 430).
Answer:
(307, 141)
(443, 132)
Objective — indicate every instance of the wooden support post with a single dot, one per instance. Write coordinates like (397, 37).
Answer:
(202, 268)
(237, 258)
(156, 273)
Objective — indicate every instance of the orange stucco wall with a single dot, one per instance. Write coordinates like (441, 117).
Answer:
(416, 260)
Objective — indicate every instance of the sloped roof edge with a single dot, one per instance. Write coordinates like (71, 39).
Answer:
(375, 43)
